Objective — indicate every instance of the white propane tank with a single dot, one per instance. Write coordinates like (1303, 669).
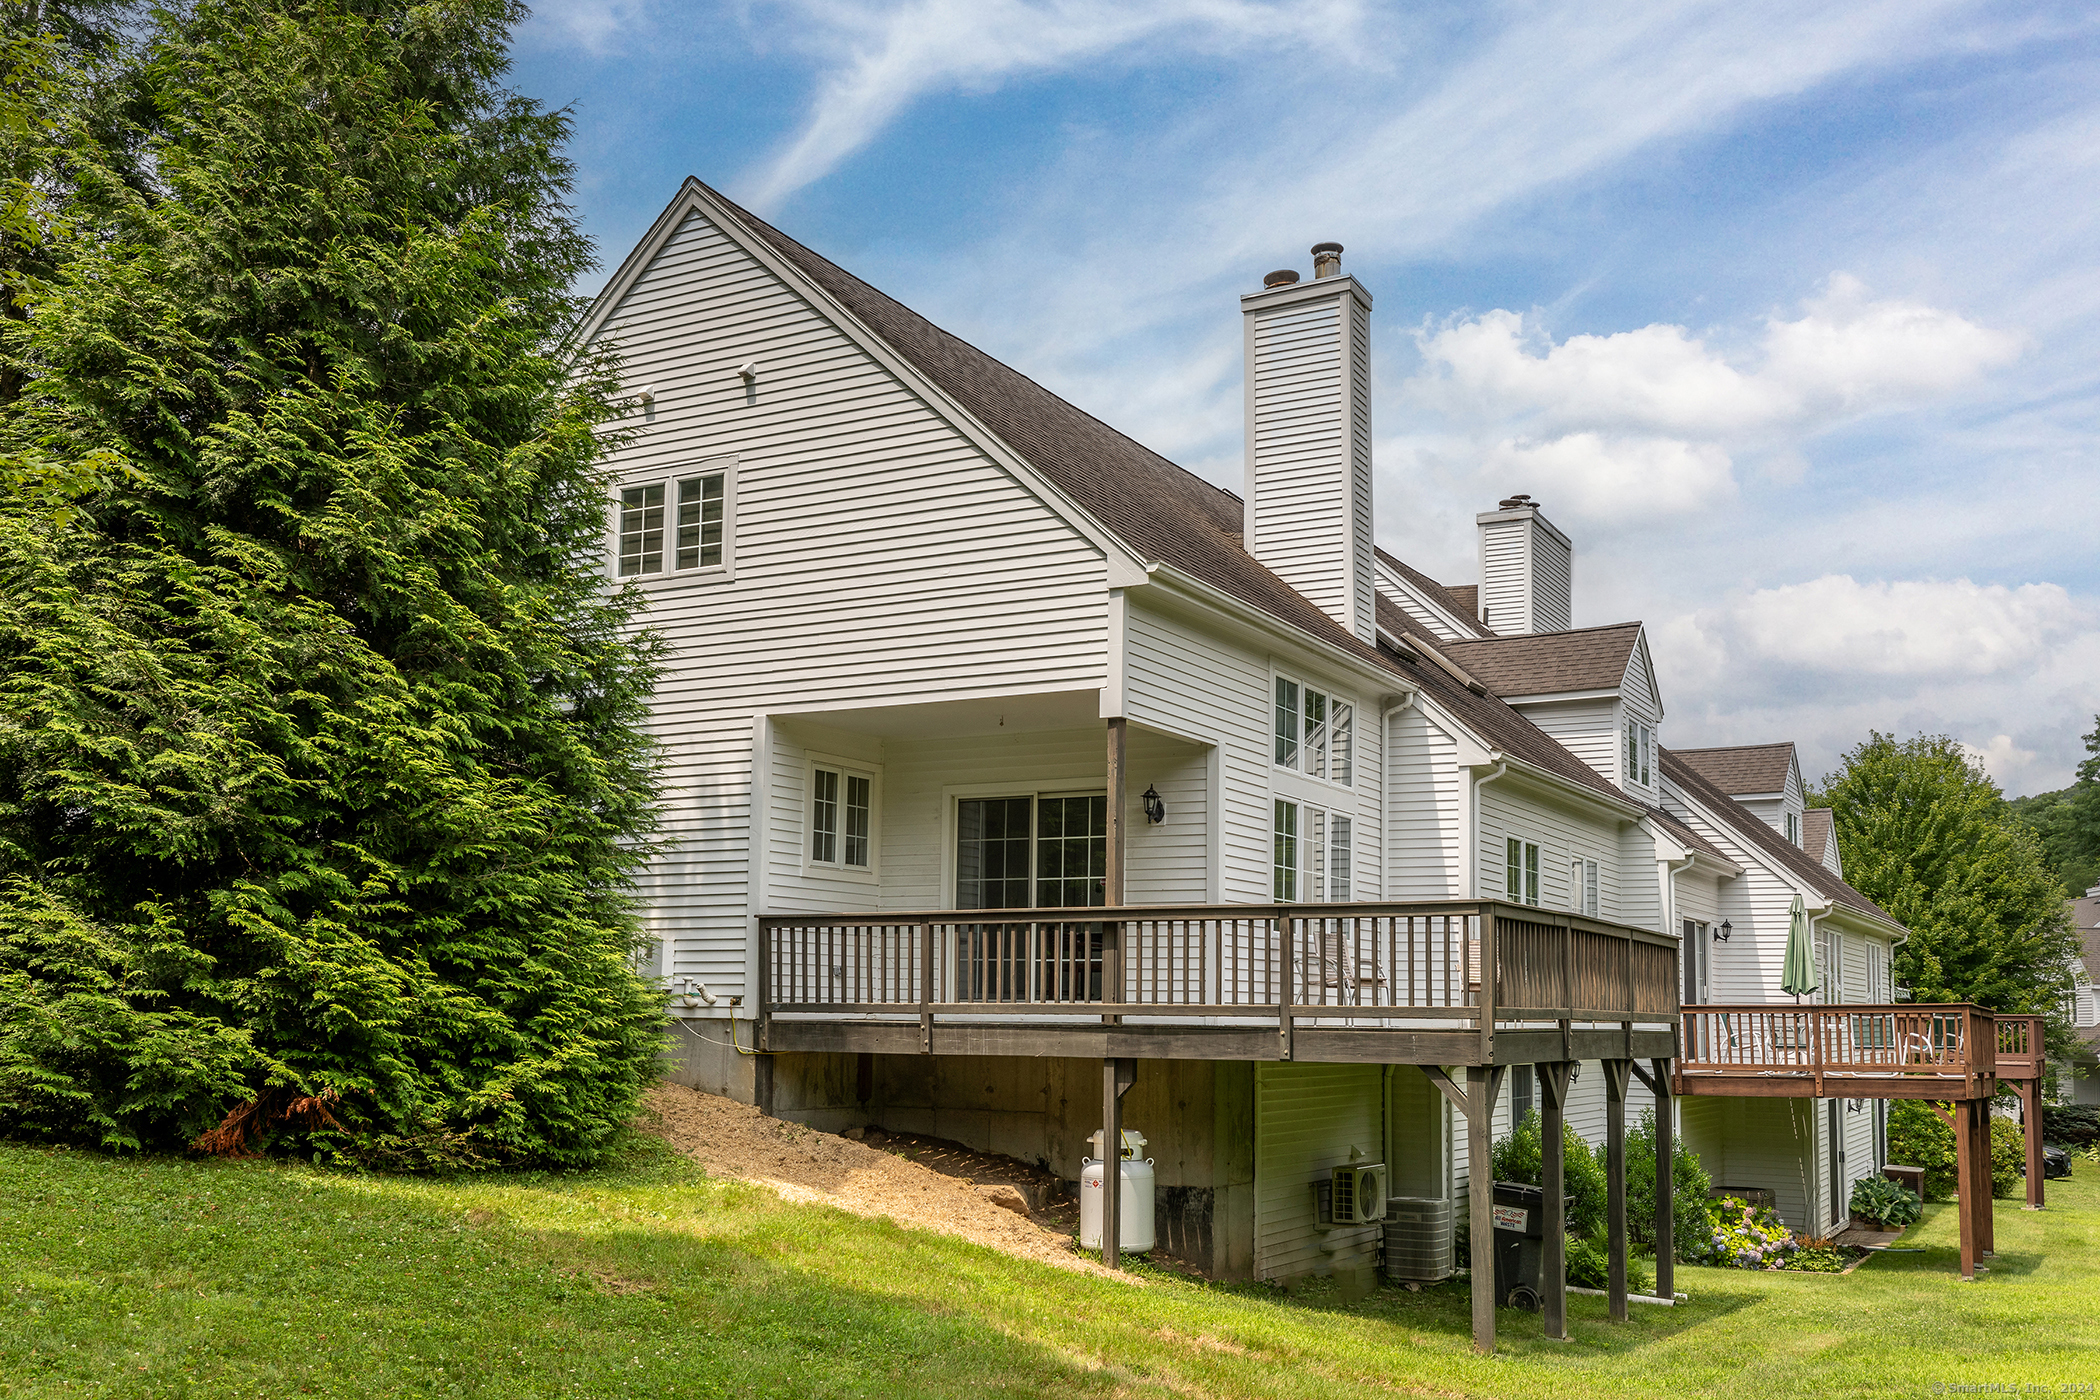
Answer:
(1137, 1230)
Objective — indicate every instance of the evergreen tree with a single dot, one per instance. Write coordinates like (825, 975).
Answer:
(321, 782)
(1926, 834)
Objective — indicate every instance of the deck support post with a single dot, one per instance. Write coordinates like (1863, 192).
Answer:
(1117, 1075)
(1665, 1183)
(1553, 1266)
(1986, 1224)
(2031, 1124)
(1961, 1120)
(1616, 1073)
(1483, 1083)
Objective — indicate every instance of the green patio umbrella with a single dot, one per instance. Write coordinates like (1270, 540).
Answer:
(1799, 977)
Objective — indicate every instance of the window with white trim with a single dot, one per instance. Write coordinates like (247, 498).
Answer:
(1583, 888)
(1877, 972)
(1521, 871)
(1696, 951)
(1793, 828)
(1315, 733)
(841, 817)
(1314, 854)
(1640, 753)
(674, 526)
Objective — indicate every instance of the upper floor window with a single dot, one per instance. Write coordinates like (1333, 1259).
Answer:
(1640, 753)
(1793, 828)
(1315, 733)
(1313, 854)
(841, 817)
(1521, 871)
(675, 525)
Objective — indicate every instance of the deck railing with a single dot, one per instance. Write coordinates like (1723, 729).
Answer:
(1789, 1048)
(2020, 1053)
(1412, 961)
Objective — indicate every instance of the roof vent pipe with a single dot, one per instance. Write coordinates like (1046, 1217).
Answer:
(1327, 260)
(1282, 277)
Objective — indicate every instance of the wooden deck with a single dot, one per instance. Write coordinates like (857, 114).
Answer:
(1376, 982)
(1945, 1052)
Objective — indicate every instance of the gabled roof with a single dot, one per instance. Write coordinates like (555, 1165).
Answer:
(1548, 663)
(1465, 610)
(1747, 828)
(1744, 770)
(1163, 512)
(1819, 835)
(1486, 715)
(1690, 837)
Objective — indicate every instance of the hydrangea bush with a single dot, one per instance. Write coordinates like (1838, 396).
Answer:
(1747, 1237)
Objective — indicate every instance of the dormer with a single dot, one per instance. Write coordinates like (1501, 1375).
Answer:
(1592, 688)
(1307, 512)
(1764, 778)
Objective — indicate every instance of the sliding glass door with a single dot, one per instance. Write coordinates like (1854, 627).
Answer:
(1021, 853)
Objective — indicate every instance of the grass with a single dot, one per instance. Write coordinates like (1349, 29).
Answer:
(169, 1277)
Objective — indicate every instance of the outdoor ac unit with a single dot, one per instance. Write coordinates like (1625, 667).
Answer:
(1358, 1194)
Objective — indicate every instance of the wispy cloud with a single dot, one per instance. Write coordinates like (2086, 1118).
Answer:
(594, 26)
(883, 57)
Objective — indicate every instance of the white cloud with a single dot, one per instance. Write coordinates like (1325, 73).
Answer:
(1913, 628)
(592, 25)
(1648, 422)
(884, 57)
(2000, 757)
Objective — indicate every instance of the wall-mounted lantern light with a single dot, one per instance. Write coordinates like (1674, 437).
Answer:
(1721, 933)
(1155, 806)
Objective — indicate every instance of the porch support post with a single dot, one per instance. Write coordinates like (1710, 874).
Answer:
(1665, 1183)
(1553, 1266)
(1483, 1082)
(1986, 1232)
(1965, 1182)
(2031, 1121)
(1616, 1073)
(1117, 1076)
(1118, 796)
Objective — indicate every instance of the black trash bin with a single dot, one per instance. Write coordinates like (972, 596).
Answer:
(1520, 1243)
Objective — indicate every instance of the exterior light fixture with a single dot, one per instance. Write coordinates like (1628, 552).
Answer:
(1155, 806)
(1721, 933)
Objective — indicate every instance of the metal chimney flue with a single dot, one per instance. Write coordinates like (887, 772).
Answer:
(1327, 260)
(1282, 277)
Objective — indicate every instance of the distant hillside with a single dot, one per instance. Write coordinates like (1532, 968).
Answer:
(2052, 816)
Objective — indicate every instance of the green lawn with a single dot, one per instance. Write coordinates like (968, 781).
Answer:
(171, 1277)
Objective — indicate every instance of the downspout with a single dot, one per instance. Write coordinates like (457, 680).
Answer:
(1480, 780)
(1395, 704)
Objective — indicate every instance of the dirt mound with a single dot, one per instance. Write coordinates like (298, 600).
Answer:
(802, 1164)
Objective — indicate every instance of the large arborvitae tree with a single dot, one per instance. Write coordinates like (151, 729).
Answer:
(1927, 835)
(321, 780)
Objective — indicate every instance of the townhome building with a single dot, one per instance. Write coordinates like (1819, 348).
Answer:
(949, 662)
(2078, 1078)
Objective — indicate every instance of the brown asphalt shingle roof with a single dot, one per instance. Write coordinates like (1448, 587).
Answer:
(1463, 602)
(1818, 830)
(1545, 663)
(1753, 832)
(1486, 715)
(1743, 770)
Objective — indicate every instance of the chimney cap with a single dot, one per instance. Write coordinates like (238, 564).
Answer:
(1282, 277)
(1519, 501)
(1326, 248)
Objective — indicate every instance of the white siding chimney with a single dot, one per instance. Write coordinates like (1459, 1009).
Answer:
(1526, 570)
(1308, 496)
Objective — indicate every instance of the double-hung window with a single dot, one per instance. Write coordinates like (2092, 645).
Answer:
(841, 817)
(1640, 753)
(1315, 733)
(1313, 854)
(1582, 884)
(1521, 871)
(680, 525)
(1695, 950)
(1793, 829)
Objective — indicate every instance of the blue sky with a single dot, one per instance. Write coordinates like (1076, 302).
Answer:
(1789, 313)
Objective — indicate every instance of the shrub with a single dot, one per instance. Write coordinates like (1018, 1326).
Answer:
(1891, 1203)
(1519, 1157)
(1919, 1137)
(1747, 1237)
(2008, 1156)
(1691, 1220)
(2071, 1124)
(1589, 1265)
(1820, 1258)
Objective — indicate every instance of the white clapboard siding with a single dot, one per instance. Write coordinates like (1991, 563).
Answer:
(1307, 1118)
(1183, 678)
(1309, 455)
(879, 558)
(1563, 834)
(1552, 581)
(1760, 1144)
(1425, 833)
(1585, 728)
(1505, 573)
